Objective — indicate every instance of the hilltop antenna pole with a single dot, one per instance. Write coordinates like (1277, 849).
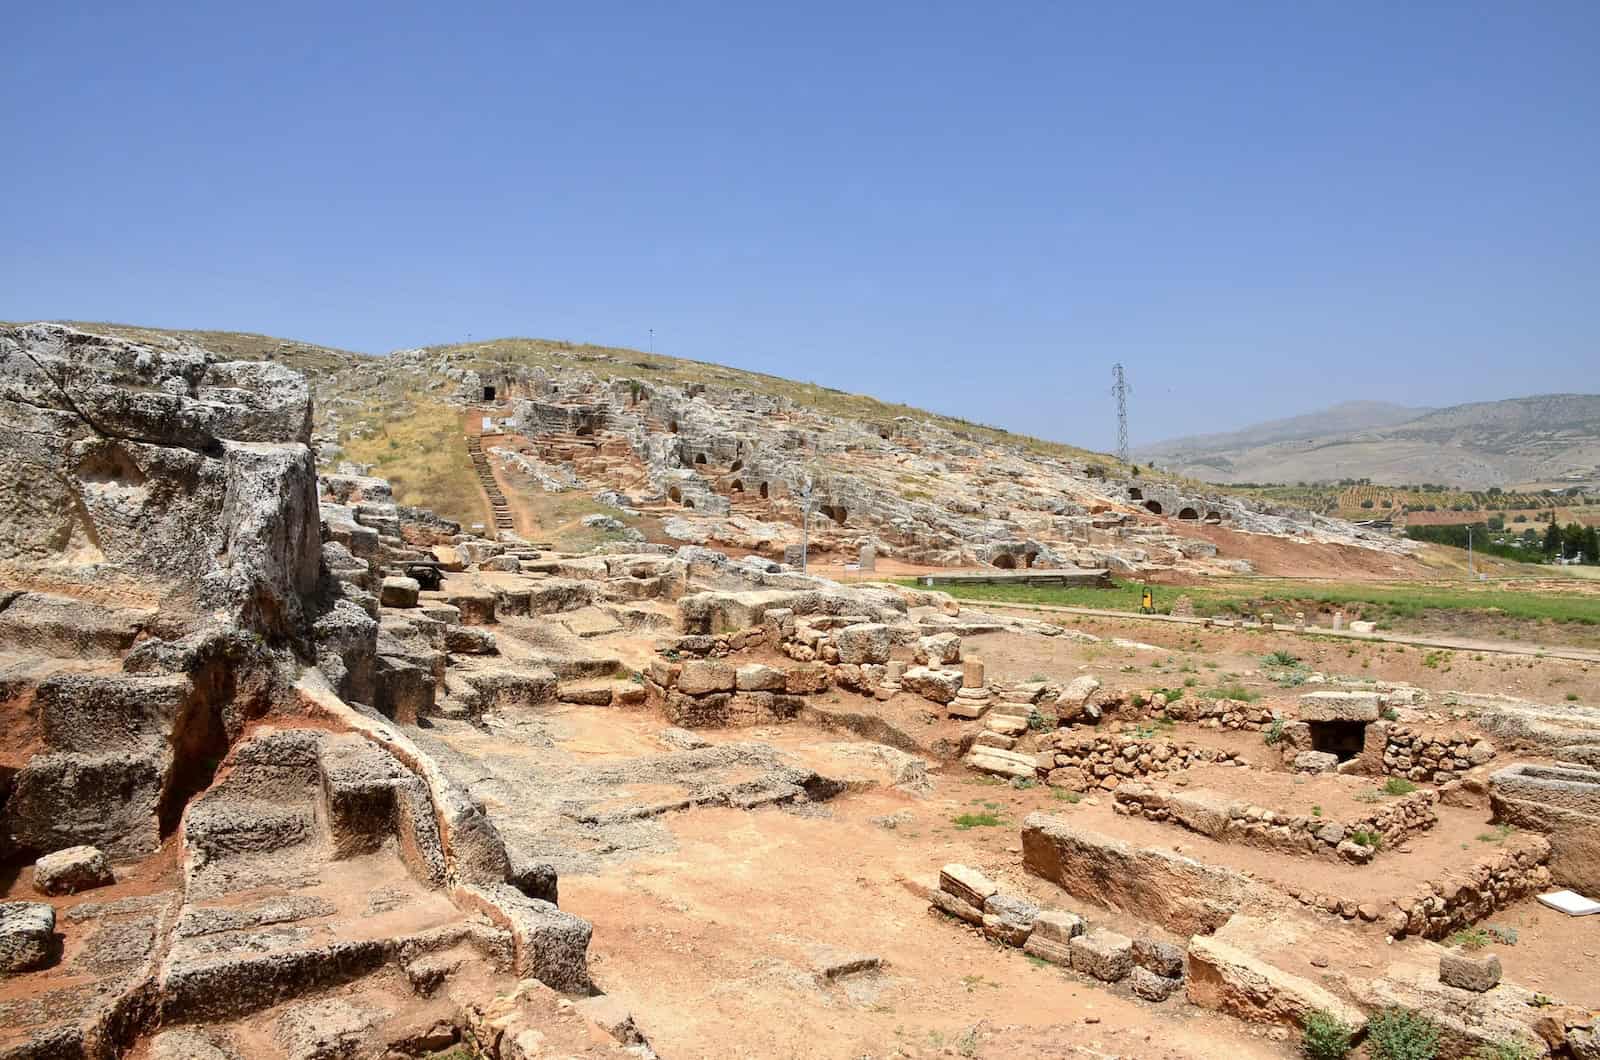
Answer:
(1120, 390)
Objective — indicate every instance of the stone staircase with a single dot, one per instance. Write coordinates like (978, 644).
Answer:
(497, 500)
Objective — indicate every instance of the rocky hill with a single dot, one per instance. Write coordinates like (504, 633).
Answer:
(1549, 439)
(682, 451)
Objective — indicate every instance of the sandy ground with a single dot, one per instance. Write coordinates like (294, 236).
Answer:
(715, 947)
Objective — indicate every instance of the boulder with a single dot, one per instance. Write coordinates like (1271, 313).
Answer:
(74, 869)
(1153, 987)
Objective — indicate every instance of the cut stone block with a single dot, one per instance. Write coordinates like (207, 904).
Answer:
(967, 884)
(758, 678)
(950, 905)
(1008, 919)
(1315, 762)
(1469, 971)
(1340, 706)
(1162, 958)
(27, 934)
(399, 592)
(701, 676)
(1001, 763)
(1103, 954)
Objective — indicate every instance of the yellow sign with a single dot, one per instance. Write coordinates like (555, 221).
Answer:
(1147, 603)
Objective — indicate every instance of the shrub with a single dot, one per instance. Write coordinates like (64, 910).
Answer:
(1390, 714)
(1399, 1034)
(1504, 1050)
(1469, 939)
(1398, 786)
(1363, 837)
(1274, 732)
(1281, 658)
(1326, 1038)
(977, 820)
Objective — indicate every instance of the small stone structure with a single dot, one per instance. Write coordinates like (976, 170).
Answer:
(1153, 968)
(1232, 821)
(1079, 764)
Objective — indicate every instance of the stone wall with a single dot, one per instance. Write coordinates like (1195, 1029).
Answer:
(1563, 803)
(1435, 758)
(1212, 713)
(1237, 822)
(1177, 893)
(1458, 899)
(1079, 764)
(710, 693)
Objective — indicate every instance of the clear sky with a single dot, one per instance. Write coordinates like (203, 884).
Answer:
(1260, 209)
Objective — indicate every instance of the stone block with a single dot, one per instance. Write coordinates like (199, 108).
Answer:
(702, 676)
(74, 869)
(1103, 954)
(1315, 762)
(1162, 958)
(758, 678)
(1002, 763)
(1469, 971)
(806, 679)
(937, 686)
(867, 642)
(1340, 706)
(967, 884)
(1008, 919)
(959, 908)
(1058, 926)
(399, 591)
(968, 709)
(469, 640)
(27, 936)
(940, 649)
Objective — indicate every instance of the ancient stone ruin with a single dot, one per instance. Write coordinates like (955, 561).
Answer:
(290, 769)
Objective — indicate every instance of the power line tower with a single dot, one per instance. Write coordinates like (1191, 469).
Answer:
(1120, 390)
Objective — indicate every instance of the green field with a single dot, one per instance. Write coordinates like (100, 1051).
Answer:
(1383, 603)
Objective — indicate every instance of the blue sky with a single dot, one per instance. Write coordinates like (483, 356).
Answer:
(1260, 209)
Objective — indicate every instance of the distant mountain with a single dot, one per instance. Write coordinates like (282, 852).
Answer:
(1547, 439)
(1340, 419)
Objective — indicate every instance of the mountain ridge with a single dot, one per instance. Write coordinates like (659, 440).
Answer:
(1539, 438)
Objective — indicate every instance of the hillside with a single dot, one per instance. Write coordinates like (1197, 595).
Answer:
(1550, 439)
(587, 441)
